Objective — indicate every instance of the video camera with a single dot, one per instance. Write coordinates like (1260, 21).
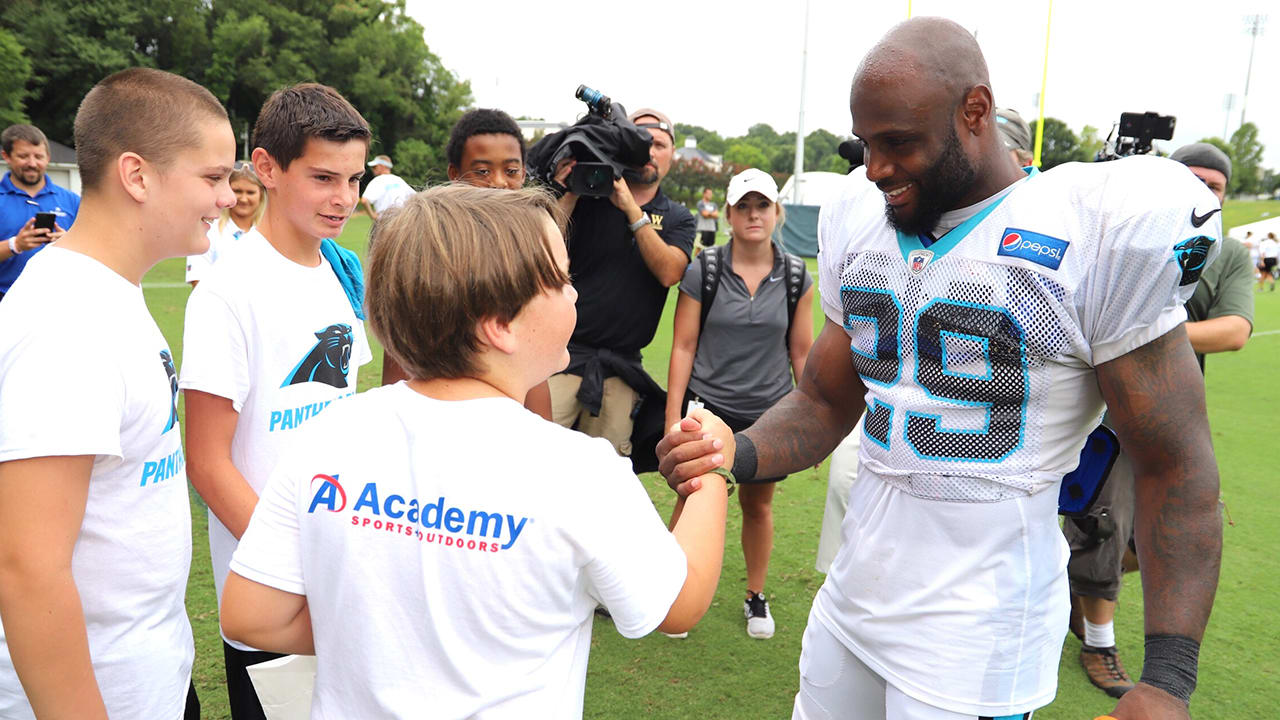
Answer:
(604, 144)
(1134, 134)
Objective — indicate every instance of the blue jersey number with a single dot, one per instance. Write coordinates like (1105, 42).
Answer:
(967, 354)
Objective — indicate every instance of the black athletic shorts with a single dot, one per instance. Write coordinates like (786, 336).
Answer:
(707, 237)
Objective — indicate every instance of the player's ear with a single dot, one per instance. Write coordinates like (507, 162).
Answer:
(977, 111)
(454, 172)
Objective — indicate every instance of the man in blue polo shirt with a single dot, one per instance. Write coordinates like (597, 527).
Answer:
(24, 191)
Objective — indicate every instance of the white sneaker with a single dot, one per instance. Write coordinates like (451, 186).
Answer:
(759, 620)
(677, 636)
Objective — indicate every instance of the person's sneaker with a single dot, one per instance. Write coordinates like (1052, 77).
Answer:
(759, 621)
(1103, 667)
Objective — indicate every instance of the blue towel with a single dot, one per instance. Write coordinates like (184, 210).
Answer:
(346, 265)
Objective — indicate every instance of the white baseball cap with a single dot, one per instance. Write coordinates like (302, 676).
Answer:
(382, 160)
(752, 180)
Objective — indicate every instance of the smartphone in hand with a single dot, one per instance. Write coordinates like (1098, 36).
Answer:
(46, 221)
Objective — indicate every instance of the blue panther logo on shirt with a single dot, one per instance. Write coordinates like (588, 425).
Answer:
(1191, 254)
(167, 360)
(328, 361)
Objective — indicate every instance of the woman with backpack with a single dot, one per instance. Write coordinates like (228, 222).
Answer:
(743, 328)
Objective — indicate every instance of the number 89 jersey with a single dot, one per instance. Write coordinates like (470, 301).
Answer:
(978, 350)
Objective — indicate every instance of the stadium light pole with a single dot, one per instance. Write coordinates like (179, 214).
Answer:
(804, 66)
(1253, 26)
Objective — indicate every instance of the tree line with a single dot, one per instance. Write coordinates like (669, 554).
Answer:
(53, 51)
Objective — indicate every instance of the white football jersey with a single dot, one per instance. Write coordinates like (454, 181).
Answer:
(978, 350)
(978, 356)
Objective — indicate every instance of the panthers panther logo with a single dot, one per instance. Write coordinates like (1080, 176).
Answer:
(167, 360)
(1191, 254)
(328, 361)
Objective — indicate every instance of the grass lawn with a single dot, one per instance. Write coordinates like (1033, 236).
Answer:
(719, 672)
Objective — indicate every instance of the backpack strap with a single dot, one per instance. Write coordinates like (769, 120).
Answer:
(712, 267)
(795, 272)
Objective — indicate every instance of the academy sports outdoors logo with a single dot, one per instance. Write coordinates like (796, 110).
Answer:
(1026, 245)
(1191, 254)
(167, 360)
(433, 522)
(328, 361)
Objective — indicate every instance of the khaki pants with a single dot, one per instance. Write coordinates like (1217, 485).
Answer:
(614, 422)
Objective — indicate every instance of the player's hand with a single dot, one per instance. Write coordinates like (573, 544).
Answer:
(1146, 702)
(623, 200)
(30, 236)
(689, 451)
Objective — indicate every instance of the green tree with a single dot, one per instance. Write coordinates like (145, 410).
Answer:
(744, 155)
(243, 50)
(1060, 145)
(709, 141)
(1246, 160)
(15, 70)
(1090, 144)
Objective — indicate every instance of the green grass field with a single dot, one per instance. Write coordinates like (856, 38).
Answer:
(719, 672)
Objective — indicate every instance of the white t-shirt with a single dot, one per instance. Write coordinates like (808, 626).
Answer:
(452, 555)
(281, 342)
(387, 191)
(223, 241)
(1268, 248)
(978, 354)
(85, 371)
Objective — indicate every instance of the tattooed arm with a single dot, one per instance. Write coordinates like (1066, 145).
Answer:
(798, 432)
(1156, 398)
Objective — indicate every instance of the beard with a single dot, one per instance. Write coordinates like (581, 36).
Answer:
(948, 180)
(29, 177)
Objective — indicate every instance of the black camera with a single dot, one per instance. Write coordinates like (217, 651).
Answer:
(603, 144)
(1134, 134)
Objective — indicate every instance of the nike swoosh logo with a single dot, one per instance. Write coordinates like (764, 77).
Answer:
(775, 279)
(1198, 220)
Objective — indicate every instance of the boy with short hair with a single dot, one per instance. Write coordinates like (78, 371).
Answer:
(95, 520)
(486, 149)
(432, 541)
(274, 334)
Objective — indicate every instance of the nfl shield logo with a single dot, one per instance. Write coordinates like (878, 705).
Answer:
(918, 259)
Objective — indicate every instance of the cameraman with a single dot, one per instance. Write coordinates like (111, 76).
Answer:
(623, 256)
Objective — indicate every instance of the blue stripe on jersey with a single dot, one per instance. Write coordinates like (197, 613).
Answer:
(953, 237)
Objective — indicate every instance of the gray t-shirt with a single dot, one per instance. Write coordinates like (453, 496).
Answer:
(741, 365)
(706, 223)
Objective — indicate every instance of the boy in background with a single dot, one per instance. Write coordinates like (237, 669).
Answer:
(274, 334)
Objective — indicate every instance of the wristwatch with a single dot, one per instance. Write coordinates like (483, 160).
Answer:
(635, 226)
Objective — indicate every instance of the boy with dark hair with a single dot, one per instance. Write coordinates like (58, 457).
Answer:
(275, 333)
(425, 570)
(486, 149)
(95, 520)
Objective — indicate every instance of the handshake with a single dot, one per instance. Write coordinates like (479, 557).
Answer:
(692, 448)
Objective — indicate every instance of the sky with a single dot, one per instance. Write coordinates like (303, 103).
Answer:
(727, 65)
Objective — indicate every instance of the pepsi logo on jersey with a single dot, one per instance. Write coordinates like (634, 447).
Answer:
(1033, 246)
